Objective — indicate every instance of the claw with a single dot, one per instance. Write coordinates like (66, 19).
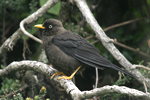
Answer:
(57, 73)
(70, 77)
(65, 77)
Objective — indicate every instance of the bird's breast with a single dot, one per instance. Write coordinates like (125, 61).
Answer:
(60, 60)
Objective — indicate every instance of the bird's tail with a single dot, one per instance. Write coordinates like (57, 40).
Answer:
(123, 71)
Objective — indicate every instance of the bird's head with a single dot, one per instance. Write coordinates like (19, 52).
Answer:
(50, 27)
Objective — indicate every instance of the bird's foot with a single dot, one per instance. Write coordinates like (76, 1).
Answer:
(70, 77)
(57, 73)
(65, 77)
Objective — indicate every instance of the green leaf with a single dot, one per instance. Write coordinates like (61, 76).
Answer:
(148, 1)
(2, 67)
(54, 10)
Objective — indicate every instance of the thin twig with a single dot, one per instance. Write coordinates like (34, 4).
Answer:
(96, 80)
(15, 92)
(27, 33)
(40, 11)
(148, 42)
(123, 23)
(141, 66)
(122, 45)
(130, 48)
(145, 87)
(3, 34)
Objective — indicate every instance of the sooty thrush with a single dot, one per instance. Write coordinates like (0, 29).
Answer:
(68, 51)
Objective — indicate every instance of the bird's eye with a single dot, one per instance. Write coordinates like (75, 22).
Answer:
(50, 26)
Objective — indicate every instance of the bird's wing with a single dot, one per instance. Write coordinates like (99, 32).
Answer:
(77, 47)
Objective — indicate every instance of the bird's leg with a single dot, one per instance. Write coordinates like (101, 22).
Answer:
(70, 77)
(57, 73)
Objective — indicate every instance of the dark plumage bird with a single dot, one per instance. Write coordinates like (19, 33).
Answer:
(66, 50)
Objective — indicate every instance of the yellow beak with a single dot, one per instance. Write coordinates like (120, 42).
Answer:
(39, 26)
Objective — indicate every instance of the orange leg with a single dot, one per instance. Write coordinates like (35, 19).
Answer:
(57, 73)
(70, 77)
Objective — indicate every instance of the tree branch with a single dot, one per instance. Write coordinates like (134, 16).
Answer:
(35, 16)
(11, 41)
(141, 66)
(132, 49)
(123, 23)
(106, 41)
(121, 45)
(68, 85)
(114, 89)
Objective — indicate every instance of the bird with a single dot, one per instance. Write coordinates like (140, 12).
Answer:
(70, 53)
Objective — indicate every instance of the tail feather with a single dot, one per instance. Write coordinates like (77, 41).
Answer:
(123, 71)
(100, 62)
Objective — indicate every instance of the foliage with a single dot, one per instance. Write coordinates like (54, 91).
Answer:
(12, 9)
(123, 81)
(33, 5)
(41, 94)
(11, 4)
(18, 97)
(145, 72)
(75, 28)
(54, 10)
(9, 85)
